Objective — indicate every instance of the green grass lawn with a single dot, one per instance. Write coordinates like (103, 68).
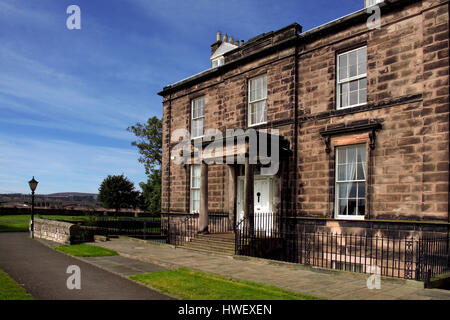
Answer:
(65, 218)
(19, 223)
(10, 290)
(85, 250)
(14, 223)
(194, 285)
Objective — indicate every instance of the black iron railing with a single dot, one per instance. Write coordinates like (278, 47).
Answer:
(269, 236)
(143, 228)
(182, 230)
(219, 223)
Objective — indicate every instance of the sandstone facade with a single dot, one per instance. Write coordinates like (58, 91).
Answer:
(404, 124)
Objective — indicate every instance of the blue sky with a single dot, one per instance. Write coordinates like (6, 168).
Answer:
(67, 96)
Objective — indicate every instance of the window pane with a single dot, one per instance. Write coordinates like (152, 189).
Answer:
(261, 111)
(342, 172)
(362, 57)
(362, 69)
(264, 88)
(354, 86)
(344, 88)
(363, 96)
(352, 58)
(353, 65)
(353, 98)
(195, 182)
(194, 128)
(197, 127)
(198, 107)
(351, 154)
(353, 71)
(342, 190)
(352, 190)
(361, 154)
(361, 189)
(361, 175)
(343, 67)
(361, 207)
(341, 155)
(258, 88)
(352, 207)
(342, 207)
(363, 83)
(195, 195)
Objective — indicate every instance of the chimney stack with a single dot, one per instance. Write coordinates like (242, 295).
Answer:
(236, 43)
(217, 43)
(231, 40)
(225, 38)
(242, 43)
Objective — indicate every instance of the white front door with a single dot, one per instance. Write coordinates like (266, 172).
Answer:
(261, 195)
(263, 204)
(262, 199)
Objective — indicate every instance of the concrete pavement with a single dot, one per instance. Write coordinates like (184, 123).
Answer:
(42, 272)
(327, 284)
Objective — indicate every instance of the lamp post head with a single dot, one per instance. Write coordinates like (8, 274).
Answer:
(33, 184)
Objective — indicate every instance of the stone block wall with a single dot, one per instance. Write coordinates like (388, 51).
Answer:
(61, 232)
(407, 92)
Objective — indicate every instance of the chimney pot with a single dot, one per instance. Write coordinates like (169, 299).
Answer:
(219, 36)
(236, 43)
(225, 38)
(231, 40)
(242, 42)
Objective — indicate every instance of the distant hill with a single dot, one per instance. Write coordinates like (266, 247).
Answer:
(71, 194)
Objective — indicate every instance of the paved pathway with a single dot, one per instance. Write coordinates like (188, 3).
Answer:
(321, 283)
(42, 272)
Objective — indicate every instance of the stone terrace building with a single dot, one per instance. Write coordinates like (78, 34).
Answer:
(363, 113)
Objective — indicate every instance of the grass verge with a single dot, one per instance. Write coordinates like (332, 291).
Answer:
(85, 250)
(195, 285)
(10, 290)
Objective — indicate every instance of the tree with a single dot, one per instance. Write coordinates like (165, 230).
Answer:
(149, 144)
(151, 192)
(116, 192)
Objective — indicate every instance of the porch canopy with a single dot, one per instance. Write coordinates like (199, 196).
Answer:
(248, 148)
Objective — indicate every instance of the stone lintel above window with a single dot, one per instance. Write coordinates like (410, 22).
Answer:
(369, 126)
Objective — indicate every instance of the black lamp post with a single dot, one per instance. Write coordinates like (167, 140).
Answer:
(33, 184)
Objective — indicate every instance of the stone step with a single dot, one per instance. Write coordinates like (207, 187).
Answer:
(220, 236)
(213, 247)
(215, 242)
(218, 252)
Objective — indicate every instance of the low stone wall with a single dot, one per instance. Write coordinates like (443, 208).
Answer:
(61, 232)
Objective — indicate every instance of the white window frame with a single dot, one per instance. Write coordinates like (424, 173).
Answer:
(202, 117)
(250, 102)
(339, 81)
(336, 187)
(192, 188)
(220, 62)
